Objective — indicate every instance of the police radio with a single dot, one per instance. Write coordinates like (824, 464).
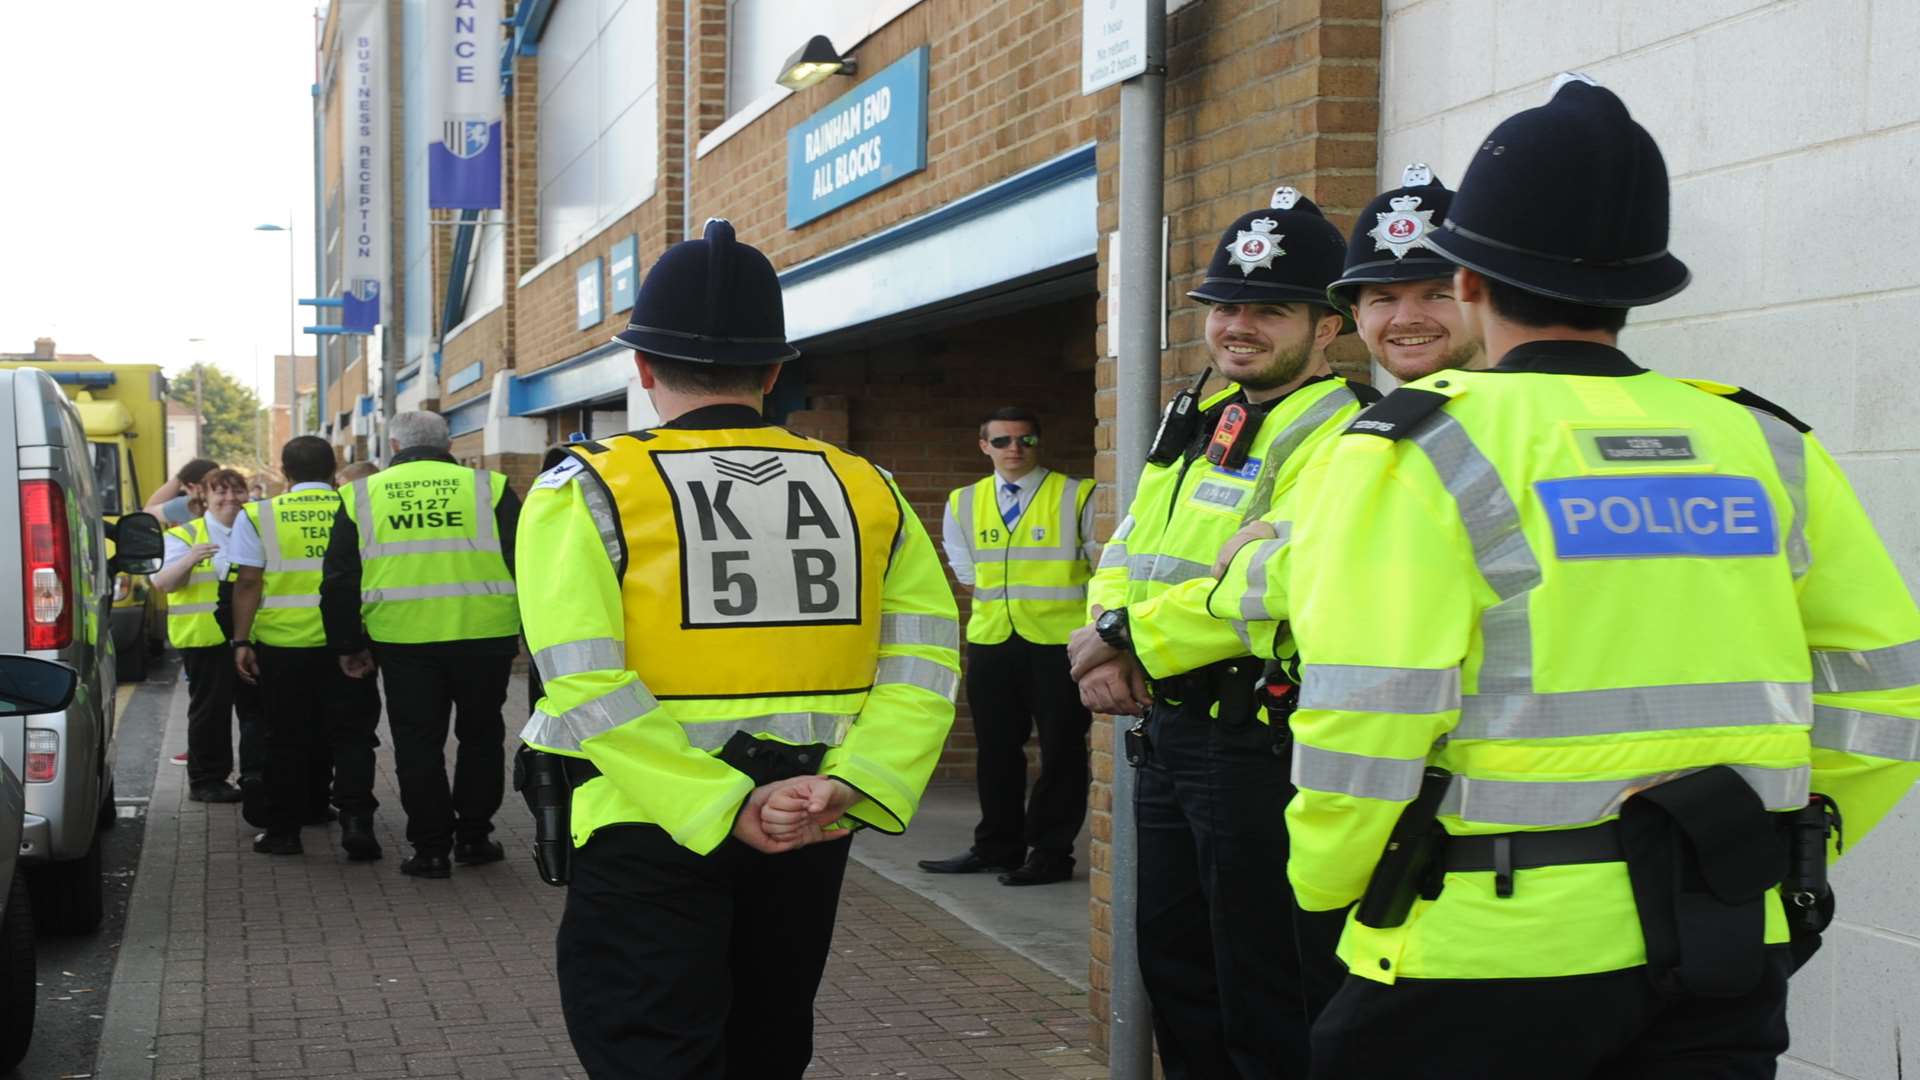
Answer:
(1229, 447)
(1178, 423)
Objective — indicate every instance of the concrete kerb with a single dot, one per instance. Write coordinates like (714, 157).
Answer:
(133, 1000)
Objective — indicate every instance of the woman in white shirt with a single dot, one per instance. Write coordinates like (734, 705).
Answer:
(195, 564)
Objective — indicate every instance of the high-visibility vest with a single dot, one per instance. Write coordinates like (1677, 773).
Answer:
(695, 584)
(1183, 513)
(1565, 588)
(431, 567)
(190, 619)
(293, 530)
(1030, 578)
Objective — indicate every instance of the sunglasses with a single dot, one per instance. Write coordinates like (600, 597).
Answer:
(1001, 442)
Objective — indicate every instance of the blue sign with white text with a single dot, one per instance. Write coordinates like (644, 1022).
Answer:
(1641, 517)
(623, 272)
(873, 135)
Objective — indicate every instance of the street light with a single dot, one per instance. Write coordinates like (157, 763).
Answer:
(299, 415)
(815, 62)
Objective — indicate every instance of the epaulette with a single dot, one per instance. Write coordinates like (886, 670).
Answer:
(1398, 414)
(555, 455)
(1742, 396)
(1364, 392)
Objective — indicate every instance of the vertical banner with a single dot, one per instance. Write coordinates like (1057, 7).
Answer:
(463, 154)
(368, 199)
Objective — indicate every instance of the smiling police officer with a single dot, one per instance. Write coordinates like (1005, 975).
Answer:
(1592, 659)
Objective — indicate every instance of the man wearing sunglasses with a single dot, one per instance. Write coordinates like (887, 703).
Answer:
(1022, 538)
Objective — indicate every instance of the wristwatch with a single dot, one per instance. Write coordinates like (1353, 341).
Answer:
(240, 644)
(1112, 628)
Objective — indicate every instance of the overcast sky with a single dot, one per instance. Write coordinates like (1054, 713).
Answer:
(143, 143)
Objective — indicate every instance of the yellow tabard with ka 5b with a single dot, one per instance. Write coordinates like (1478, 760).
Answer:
(753, 560)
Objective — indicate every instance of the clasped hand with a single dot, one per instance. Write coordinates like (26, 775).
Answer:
(790, 814)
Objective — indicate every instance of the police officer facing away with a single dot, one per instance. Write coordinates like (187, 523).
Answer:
(1231, 980)
(748, 649)
(1630, 644)
(419, 578)
(1023, 539)
(279, 641)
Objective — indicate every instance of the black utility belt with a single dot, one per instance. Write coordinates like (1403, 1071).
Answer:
(1505, 853)
(764, 761)
(1224, 681)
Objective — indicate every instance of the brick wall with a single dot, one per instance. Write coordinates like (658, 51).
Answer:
(485, 341)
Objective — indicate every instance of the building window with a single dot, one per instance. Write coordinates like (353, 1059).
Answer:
(599, 122)
(488, 271)
(761, 34)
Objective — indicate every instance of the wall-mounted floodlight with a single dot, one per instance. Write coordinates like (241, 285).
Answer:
(816, 61)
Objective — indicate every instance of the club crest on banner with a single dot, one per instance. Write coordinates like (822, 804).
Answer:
(1256, 248)
(1403, 228)
(466, 137)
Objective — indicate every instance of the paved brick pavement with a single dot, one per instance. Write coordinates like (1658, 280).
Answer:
(239, 965)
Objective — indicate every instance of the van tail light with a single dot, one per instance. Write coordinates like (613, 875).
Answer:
(43, 755)
(47, 565)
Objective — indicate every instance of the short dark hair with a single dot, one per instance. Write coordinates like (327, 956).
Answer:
(1011, 414)
(690, 377)
(227, 478)
(307, 459)
(1517, 305)
(194, 471)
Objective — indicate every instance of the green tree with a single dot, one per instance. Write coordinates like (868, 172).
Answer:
(229, 433)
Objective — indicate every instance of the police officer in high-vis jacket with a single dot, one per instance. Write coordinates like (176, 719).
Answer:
(419, 581)
(1231, 982)
(1598, 665)
(747, 649)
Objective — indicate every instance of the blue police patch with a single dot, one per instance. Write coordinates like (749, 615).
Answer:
(1248, 470)
(1639, 517)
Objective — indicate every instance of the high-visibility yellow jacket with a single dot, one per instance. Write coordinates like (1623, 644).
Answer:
(431, 567)
(190, 609)
(293, 530)
(1031, 577)
(1159, 563)
(683, 584)
(1564, 580)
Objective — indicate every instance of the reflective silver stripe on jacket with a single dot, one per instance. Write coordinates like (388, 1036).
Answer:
(1392, 779)
(1789, 449)
(1284, 444)
(589, 718)
(1253, 602)
(1113, 556)
(1840, 672)
(1354, 688)
(290, 601)
(434, 592)
(1165, 569)
(363, 515)
(935, 630)
(1030, 592)
(190, 609)
(580, 657)
(606, 519)
(268, 529)
(1500, 550)
(1579, 802)
(916, 671)
(1874, 734)
(1632, 710)
(801, 729)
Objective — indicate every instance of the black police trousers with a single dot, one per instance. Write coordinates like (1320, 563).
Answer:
(1612, 1026)
(1235, 971)
(1012, 689)
(318, 744)
(211, 685)
(424, 687)
(677, 966)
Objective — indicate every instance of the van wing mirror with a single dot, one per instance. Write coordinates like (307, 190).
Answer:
(31, 685)
(138, 546)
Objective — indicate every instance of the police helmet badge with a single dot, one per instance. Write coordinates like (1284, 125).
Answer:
(1403, 228)
(1256, 248)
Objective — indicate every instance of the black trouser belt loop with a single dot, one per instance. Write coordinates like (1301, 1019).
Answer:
(1504, 853)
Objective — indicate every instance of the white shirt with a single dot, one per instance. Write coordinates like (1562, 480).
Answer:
(244, 548)
(217, 533)
(959, 546)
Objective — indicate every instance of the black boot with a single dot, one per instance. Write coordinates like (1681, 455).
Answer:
(357, 839)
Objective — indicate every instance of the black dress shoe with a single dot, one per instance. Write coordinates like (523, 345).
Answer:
(1041, 870)
(268, 843)
(476, 852)
(357, 839)
(968, 863)
(214, 791)
(427, 866)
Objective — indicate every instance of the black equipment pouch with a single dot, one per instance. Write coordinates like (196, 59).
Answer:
(1139, 748)
(1178, 424)
(1701, 852)
(1277, 693)
(766, 762)
(1410, 866)
(1808, 895)
(1232, 691)
(542, 779)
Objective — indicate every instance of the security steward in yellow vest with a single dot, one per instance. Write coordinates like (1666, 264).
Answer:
(419, 579)
(747, 649)
(193, 566)
(1020, 538)
(314, 741)
(1231, 977)
(1599, 667)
